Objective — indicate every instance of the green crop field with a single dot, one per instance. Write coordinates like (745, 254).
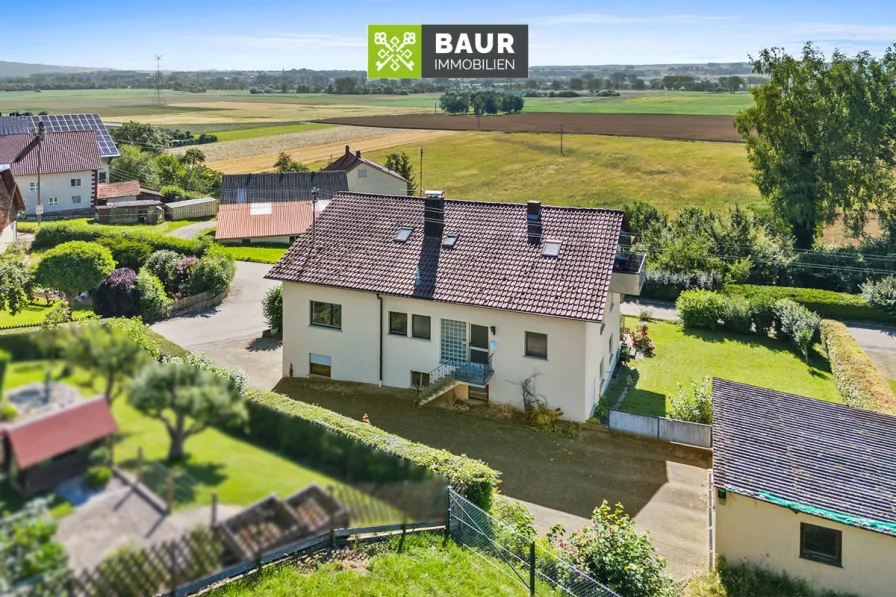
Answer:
(595, 171)
(658, 102)
(267, 131)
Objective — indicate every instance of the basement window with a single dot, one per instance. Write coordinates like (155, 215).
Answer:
(403, 234)
(551, 248)
(450, 241)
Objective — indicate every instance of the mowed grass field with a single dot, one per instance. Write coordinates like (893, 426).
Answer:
(594, 171)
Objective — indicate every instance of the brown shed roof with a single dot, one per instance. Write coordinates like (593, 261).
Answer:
(56, 433)
(492, 263)
(114, 190)
(259, 220)
(73, 151)
(349, 161)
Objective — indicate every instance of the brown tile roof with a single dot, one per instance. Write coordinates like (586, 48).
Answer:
(11, 202)
(349, 161)
(56, 433)
(259, 220)
(73, 151)
(491, 265)
(114, 190)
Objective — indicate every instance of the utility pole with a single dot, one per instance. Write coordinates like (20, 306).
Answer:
(41, 128)
(314, 193)
(157, 98)
(420, 190)
(561, 139)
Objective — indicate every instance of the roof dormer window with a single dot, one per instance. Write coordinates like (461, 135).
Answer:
(403, 234)
(551, 248)
(450, 241)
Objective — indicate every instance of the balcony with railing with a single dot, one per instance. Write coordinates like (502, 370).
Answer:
(477, 374)
(629, 267)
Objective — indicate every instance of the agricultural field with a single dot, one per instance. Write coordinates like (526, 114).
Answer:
(647, 102)
(594, 171)
(267, 131)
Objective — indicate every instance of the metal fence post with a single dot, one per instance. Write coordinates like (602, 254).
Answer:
(447, 516)
(139, 463)
(532, 568)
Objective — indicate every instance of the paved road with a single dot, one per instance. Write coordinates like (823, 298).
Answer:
(192, 230)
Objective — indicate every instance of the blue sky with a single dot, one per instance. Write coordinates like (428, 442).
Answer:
(266, 34)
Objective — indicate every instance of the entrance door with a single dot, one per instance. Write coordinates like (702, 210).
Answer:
(478, 344)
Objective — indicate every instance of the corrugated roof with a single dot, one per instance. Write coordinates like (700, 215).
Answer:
(491, 265)
(129, 188)
(349, 161)
(781, 447)
(56, 433)
(189, 202)
(60, 152)
(286, 186)
(134, 203)
(259, 220)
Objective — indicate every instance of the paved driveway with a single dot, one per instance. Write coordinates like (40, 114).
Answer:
(192, 230)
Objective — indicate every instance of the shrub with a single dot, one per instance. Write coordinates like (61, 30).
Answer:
(169, 268)
(153, 299)
(98, 476)
(127, 253)
(763, 313)
(272, 306)
(117, 296)
(8, 412)
(645, 314)
(693, 404)
(365, 452)
(827, 303)
(881, 294)
(55, 233)
(641, 339)
(738, 315)
(74, 267)
(213, 273)
(519, 531)
(173, 193)
(797, 323)
(541, 415)
(99, 456)
(858, 381)
(667, 286)
(700, 309)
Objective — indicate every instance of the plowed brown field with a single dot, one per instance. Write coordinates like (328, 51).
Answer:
(661, 126)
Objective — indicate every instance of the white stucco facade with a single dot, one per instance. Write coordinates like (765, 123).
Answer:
(58, 192)
(571, 377)
(7, 236)
(367, 179)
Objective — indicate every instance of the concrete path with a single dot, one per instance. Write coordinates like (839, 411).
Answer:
(192, 230)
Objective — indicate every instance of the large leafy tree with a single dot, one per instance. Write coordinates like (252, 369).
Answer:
(109, 352)
(145, 136)
(285, 163)
(134, 164)
(74, 267)
(398, 161)
(16, 280)
(821, 138)
(187, 400)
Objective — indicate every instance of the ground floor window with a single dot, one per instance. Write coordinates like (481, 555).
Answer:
(536, 345)
(76, 198)
(326, 314)
(419, 379)
(821, 544)
(320, 365)
(422, 327)
(53, 201)
(398, 323)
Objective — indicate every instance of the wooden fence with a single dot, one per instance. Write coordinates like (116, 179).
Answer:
(197, 302)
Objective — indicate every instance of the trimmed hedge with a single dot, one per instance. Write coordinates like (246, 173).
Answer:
(55, 233)
(858, 381)
(827, 303)
(667, 286)
(309, 432)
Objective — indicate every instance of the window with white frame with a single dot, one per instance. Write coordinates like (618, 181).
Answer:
(76, 182)
(32, 186)
(53, 201)
(76, 198)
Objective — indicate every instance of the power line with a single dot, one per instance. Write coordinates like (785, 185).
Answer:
(157, 98)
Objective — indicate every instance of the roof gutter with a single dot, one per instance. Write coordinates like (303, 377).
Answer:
(380, 299)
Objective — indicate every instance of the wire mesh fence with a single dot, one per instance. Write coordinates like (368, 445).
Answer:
(531, 563)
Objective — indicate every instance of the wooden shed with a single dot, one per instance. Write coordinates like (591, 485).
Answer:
(131, 212)
(205, 207)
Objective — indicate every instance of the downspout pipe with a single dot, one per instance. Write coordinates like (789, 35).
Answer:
(380, 299)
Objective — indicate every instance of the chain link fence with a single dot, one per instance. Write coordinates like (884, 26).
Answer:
(536, 567)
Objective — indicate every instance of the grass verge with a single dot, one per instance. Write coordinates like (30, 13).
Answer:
(256, 254)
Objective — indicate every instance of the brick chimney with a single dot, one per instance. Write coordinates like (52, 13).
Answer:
(533, 222)
(434, 214)
(348, 151)
(358, 153)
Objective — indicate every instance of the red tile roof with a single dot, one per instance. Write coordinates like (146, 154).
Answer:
(11, 202)
(349, 161)
(57, 433)
(130, 188)
(73, 151)
(491, 265)
(259, 220)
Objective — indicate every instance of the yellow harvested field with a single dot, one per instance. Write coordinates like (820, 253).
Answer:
(307, 154)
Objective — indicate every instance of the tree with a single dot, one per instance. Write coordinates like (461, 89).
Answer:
(16, 281)
(134, 164)
(398, 161)
(820, 138)
(454, 103)
(285, 163)
(74, 267)
(576, 83)
(272, 307)
(192, 158)
(116, 296)
(144, 136)
(109, 352)
(187, 400)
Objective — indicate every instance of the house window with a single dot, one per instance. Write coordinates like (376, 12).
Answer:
(76, 182)
(52, 201)
(326, 315)
(419, 379)
(76, 198)
(536, 345)
(454, 341)
(820, 544)
(320, 365)
(421, 327)
(398, 323)
(102, 177)
(32, 186)
(362, 172)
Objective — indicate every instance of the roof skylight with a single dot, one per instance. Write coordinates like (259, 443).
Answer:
(450, 241)
(551, 248)
(403, 234)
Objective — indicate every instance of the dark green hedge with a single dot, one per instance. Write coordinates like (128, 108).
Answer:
(858, 381)
(55, 233)
(306, 431)
(827, 303)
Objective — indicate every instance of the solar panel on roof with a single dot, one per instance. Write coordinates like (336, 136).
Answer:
(55, 123)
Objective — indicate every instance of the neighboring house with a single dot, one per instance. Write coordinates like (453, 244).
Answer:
(117, 192)
(365, 176)
(56, 123)
(11, 204)
(40, 453)
(68, 162)
(131, 212)
(204, 207)
(402, 291)
(273, 208)
(805, 487)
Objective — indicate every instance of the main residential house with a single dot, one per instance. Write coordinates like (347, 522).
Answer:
(11, 204)
(805, 487)
(59, 123)
(68, 164)
(403, 291)
(365, 176)
(273, 208)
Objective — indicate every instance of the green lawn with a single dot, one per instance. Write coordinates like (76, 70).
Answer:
(157, 228)
(267, 131)
(424, 568)
(654, 102)
(25, 372)
(595, 170)
(35, 314)
(892, 383)
(682, 356)
(258, 254)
